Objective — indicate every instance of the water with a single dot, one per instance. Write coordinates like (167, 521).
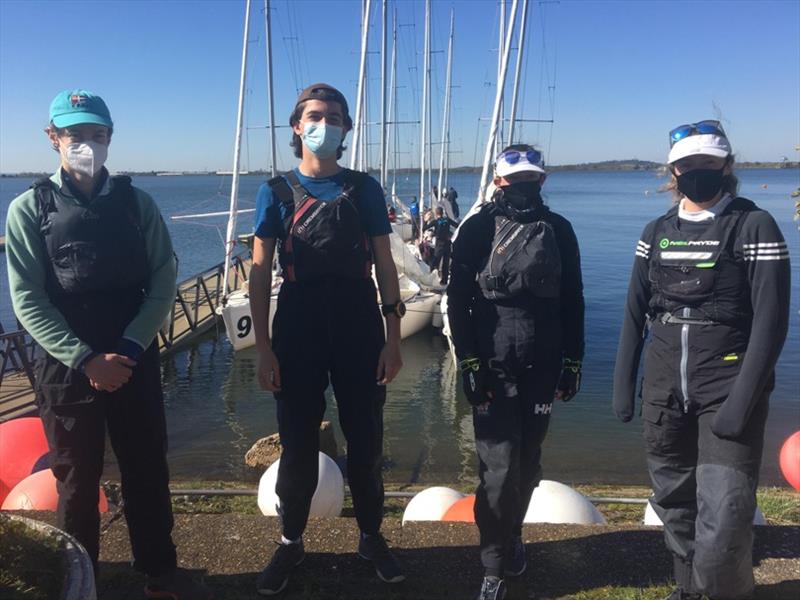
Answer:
(215, 410)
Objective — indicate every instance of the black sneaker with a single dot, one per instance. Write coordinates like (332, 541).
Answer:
(493, 588)
(516, 561)
(679, 594)
(275, 576)
(177, 585)
(374, 548)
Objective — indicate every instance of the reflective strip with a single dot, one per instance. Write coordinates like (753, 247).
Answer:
(644, 245)
(642, 254)
(750, 251)
(765, 245)
(768, 257)
(673, 255)
(643, 249)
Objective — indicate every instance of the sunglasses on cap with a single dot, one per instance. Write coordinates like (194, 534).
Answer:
(512, 157)
(700, 128)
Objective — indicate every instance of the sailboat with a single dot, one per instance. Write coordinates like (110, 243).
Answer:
(235, 308)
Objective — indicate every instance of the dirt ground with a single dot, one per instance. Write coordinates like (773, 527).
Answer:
(441, 560)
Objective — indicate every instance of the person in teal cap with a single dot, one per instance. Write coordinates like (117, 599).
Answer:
(92, 276)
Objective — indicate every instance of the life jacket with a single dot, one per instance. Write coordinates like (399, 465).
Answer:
(97, 268)
(699, 271)
(524, 258)
(322, 239)
(442, 231)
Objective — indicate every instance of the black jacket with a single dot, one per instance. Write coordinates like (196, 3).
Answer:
(518, 329)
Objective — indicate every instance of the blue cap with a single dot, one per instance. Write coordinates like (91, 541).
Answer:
(73, 107)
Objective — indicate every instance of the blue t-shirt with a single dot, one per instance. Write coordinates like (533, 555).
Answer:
(371, 204)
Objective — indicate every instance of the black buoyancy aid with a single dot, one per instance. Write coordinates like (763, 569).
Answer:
(524, 259)
(97, 270)
(322, 239)
(699, 271)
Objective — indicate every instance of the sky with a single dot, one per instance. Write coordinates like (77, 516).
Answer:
(613, 76)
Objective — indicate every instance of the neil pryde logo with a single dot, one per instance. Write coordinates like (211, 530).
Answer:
(504, 246)
(301, 229)
(666, 243)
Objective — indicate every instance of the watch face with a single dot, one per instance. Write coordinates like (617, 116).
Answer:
(401, 309)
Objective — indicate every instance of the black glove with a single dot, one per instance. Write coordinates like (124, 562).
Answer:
(473, 376)
(569, 383)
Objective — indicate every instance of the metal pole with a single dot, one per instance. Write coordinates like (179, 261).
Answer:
(424, 115)
(383, 95)
(487, 157)
(392, 107)
(231, 232)
(445, 119)
(517, 71)
(500, 49)
(361, 71)
(270, 96)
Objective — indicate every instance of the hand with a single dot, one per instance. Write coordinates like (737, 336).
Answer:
(473, 376)
(389, 363)
(269, 371)
(569, 383)
(109, 372)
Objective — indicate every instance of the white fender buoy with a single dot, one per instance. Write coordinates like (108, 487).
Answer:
(554, 502)
(431, 504)
(328, 498)
(652, 519)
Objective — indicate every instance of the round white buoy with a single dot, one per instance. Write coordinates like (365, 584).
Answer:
(328, 498)
(651, 518)
(554, 502)
(431, 504)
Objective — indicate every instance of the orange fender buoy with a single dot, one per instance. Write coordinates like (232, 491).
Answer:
(38, 492)
(23, 447)
(462, 511)
(790, 460)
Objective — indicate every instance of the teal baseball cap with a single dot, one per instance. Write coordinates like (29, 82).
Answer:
(73, 107)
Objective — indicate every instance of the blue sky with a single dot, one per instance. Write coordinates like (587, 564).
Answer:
(624, 74)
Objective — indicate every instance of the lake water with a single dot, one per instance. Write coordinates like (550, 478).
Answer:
(215, 410)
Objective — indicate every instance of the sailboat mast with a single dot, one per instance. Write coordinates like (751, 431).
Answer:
(501, 82)
(231, 232)
(500, 49)
(383, 93)
(361, 70)
(517, 71)
(392, 109)
(424, 110)
(446, 118)
(270, 96)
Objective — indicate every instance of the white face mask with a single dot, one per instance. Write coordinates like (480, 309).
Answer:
(85, 157)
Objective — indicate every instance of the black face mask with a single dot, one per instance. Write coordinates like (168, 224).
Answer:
(701, 185)
(523, 195)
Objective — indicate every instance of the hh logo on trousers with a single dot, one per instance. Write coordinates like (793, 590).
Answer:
(543, 409)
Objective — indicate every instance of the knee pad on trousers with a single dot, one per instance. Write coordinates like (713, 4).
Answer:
(723, 562)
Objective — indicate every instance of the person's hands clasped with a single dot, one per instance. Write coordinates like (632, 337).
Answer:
(569, 384)
(389, 363)
(269, 371)
(109, 372)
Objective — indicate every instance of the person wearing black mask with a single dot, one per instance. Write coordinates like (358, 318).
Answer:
(515, 310)
(710, 284)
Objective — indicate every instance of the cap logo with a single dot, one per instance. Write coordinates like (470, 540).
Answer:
(77, 100)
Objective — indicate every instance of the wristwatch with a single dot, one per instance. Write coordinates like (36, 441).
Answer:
(398, 309)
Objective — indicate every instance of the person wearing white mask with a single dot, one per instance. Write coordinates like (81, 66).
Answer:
(92, 276)
(708, 303)
(330, 226)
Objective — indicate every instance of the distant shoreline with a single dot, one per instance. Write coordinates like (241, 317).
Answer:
(607, 165)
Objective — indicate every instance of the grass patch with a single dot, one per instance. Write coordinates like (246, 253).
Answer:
(32, 567)
(781, 506)
(617, 593)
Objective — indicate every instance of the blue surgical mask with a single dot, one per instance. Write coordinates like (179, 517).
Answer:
(321, 139)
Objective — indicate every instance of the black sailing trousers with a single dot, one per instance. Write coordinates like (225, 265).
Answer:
(508, 437)
(329, 331)
(441, 259)
(704, 486)
(76, 418)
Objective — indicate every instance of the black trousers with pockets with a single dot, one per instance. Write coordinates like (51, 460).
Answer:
(509, 437)
(76, 418)
(329, 332)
